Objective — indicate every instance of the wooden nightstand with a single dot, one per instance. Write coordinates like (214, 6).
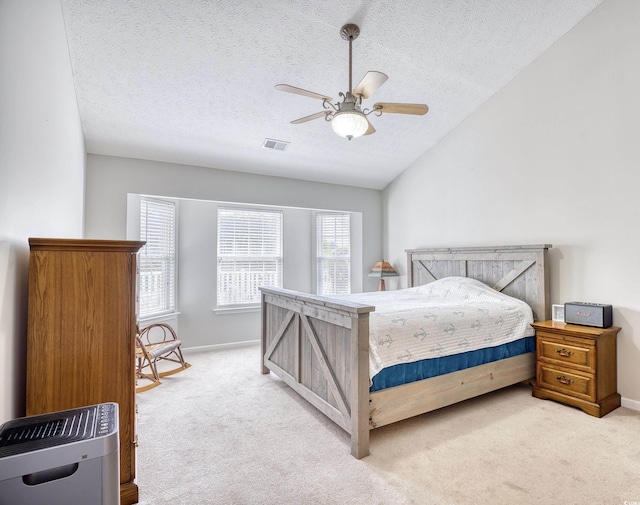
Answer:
(576, 365)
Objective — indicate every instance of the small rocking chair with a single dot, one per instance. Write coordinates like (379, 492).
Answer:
(154, 343)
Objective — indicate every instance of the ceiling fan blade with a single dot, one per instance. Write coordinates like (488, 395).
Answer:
(303, 92)
(311, 117)
(419, 109)
(369, 84)
(371, 129)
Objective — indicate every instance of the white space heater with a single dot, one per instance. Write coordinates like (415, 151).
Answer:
(61, 458)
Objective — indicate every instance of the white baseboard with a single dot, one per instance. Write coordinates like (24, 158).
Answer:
(218, 347)
(631, 404)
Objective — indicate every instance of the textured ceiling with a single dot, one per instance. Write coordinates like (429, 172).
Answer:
(192, 81)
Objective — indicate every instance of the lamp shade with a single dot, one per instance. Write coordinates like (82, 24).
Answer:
(382, 269)
(350, 124)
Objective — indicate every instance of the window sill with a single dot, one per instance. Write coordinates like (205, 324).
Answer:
(236, 310)
(161, 317)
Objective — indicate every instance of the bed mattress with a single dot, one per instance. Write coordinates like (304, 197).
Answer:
(438, 327)
(405, 373)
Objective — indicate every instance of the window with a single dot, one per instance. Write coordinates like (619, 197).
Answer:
(333, 254)
(249, 254)
(157, 259)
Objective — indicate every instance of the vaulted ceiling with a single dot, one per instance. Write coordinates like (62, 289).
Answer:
(192, 81)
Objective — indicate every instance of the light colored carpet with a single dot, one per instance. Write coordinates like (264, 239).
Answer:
(222, 433)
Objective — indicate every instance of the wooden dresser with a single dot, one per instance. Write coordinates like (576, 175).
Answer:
(576, 365)
(81, 334)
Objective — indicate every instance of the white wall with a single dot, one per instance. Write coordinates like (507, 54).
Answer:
(552, 158)
(111, 179)
(42, 160)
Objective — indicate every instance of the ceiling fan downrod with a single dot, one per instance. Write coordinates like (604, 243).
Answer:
(350, 33)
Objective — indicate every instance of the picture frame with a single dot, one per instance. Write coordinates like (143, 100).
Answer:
(557, 313)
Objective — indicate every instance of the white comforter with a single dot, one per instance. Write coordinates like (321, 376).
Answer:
(448, 316)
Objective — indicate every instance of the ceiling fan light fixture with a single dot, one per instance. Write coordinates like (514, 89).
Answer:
(349, 124)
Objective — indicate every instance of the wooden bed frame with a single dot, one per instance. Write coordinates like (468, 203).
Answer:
(320, 346)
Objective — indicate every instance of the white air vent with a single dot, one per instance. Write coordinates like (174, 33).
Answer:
(278, 145)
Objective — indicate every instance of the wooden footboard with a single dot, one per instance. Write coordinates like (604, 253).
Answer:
(321, 349)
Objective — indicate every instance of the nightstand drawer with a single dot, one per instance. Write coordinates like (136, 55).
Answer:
(576, 355)
(564, 381)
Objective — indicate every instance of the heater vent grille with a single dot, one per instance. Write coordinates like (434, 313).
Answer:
(276, 145)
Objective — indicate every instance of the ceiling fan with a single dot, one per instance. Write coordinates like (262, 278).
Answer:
(347, 117)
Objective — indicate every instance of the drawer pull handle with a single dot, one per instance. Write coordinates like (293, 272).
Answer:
(564, 352)
(564, 380)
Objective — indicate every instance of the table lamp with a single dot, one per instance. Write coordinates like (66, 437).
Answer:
(382, 269)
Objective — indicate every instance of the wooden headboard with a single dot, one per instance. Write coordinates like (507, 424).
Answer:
(520, 271)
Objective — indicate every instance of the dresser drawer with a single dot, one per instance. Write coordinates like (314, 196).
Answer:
(578, 355)
(567, 382)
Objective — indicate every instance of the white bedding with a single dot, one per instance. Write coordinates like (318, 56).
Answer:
(446, 317)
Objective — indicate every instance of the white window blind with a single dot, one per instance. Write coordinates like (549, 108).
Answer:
(333, 254)
(157, 259)
(249, 254)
